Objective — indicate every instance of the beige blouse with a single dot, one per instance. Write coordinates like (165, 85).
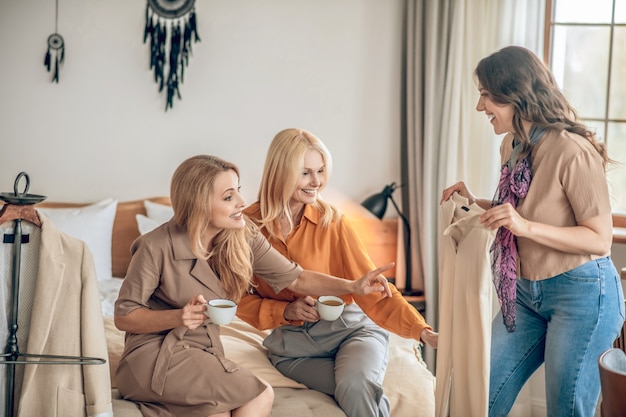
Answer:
(568, 185)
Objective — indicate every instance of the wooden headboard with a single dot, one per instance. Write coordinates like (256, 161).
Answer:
(379, 237)
(125, 229)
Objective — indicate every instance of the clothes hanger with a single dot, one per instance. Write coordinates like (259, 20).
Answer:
(20, 206)
(10, 212)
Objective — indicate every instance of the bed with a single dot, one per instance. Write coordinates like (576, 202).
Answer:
(109, 227)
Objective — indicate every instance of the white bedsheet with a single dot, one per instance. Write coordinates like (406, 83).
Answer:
(109, 289)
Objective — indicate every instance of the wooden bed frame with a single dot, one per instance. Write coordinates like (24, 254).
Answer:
(379, 236)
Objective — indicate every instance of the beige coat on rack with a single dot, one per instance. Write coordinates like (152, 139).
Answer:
(66, 320)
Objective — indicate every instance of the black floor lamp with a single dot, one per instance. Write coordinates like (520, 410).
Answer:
(377, 205)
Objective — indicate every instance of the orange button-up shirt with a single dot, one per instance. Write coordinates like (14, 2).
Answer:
(335, 250)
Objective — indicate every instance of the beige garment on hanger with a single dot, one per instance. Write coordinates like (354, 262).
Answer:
(64, 318)
(465, 311)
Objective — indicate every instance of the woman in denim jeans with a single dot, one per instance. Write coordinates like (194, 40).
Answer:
(560, 295)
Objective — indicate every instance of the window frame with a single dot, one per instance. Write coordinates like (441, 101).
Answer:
(619, 218)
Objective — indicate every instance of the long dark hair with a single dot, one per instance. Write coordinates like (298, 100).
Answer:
(515, 75)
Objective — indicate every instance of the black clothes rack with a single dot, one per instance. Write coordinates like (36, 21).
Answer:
(20, 206)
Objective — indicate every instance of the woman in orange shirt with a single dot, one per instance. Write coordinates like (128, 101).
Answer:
(346, 358)
(173, 362)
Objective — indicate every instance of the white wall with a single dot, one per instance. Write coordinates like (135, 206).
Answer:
(331, 67)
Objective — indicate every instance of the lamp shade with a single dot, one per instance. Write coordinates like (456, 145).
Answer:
(377, 203)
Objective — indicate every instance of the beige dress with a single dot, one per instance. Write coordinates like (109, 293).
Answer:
(182, 372)
(465, 314)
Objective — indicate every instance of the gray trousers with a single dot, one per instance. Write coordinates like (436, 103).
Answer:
(346, 358)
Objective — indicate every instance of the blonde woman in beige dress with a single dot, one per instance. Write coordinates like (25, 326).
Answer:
(173, 362)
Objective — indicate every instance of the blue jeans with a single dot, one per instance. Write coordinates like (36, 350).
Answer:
(566, 321)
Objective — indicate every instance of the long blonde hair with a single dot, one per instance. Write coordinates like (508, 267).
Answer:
(229, 253)
(283, 166)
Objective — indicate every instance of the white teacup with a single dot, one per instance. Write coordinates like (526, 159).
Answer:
(221, 311)
(329, 307)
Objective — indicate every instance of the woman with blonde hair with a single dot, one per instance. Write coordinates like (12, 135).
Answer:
(346, 358)
(173, 362)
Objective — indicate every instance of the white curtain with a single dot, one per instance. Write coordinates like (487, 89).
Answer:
(444, 138)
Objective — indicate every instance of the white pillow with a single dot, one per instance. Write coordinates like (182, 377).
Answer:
(146, 224)
(93, 225)
(158, 212)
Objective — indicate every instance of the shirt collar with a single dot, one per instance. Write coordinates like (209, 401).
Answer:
(181, 247)
(311, 213)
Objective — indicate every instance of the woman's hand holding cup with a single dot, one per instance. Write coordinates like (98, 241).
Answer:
(329, 307)
(221, 311)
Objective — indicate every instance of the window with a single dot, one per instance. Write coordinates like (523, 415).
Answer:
(586, 51)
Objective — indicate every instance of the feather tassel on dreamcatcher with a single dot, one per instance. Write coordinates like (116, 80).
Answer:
(171, 29)
(55, 55)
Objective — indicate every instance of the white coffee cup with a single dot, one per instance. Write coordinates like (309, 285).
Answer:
(221, 311)
(329, 307)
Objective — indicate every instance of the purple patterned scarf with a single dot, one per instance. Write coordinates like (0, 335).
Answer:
(514, 182)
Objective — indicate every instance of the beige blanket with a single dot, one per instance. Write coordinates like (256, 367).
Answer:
(408, 383)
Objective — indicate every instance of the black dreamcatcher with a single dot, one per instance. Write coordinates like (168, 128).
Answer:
(56, 49)
(174, 20)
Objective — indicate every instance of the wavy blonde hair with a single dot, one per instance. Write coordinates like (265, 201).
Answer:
(283, 165)
(229, 253)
